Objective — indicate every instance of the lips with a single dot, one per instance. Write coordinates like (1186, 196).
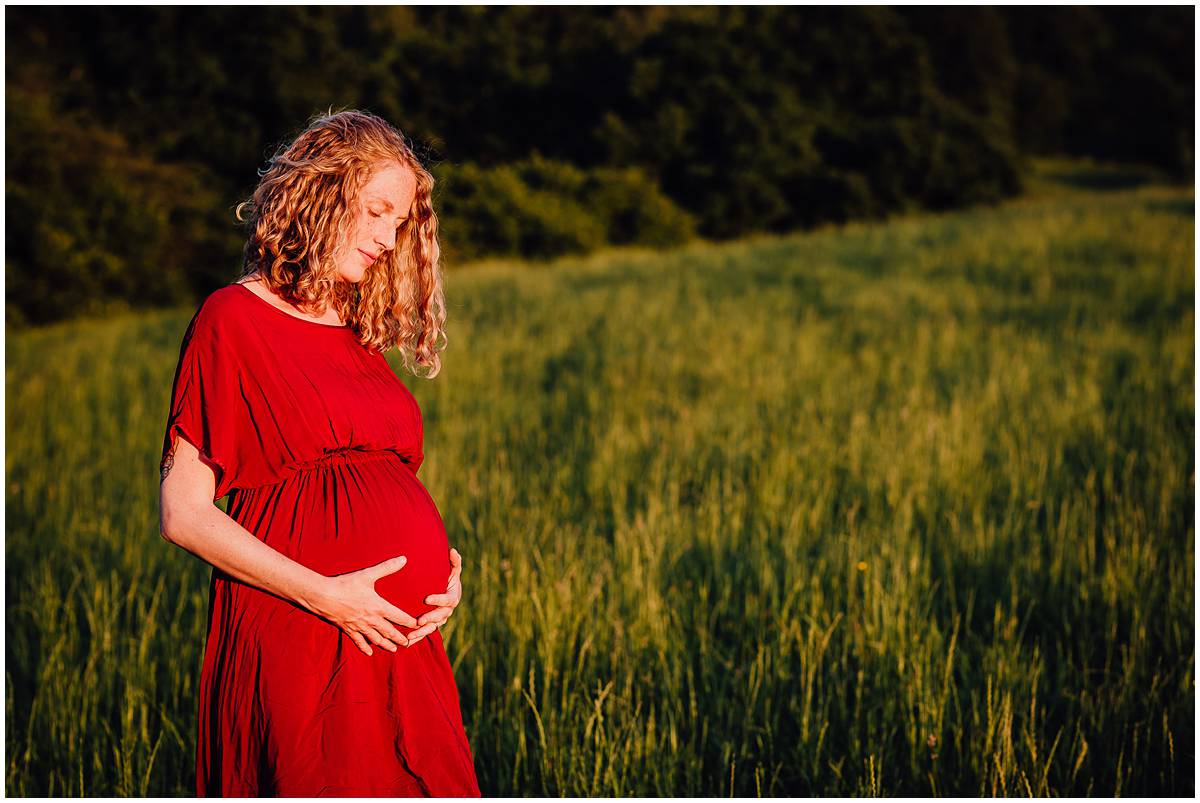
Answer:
(367, 256)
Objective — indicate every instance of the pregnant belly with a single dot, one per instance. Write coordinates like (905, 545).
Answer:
(351, 511)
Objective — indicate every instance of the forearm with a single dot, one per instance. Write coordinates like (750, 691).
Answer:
(211, 535)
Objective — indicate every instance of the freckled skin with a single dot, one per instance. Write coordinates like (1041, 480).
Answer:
(383, 206)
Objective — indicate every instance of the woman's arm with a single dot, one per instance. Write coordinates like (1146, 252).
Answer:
(189, 519)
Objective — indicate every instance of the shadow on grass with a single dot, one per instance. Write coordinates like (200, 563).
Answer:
(1184, 207)
(1102, 178)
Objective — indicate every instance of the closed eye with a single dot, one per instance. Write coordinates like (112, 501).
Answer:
(400, 221)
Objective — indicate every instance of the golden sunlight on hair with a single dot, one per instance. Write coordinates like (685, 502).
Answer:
(306, 206)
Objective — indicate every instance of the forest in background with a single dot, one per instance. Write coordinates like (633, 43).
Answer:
(133, 132)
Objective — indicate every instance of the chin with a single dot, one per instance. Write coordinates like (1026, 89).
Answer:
(352, 276)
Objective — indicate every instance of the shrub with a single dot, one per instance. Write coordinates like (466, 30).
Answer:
(95, 227)
(540, 208)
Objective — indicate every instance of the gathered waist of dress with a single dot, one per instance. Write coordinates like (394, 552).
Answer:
(348, 454)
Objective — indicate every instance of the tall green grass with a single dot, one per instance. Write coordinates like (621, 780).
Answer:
(896, 509)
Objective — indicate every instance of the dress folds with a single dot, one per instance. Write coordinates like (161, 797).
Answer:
(317, 443)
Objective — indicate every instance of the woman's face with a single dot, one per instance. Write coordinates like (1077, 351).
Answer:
(383, 205)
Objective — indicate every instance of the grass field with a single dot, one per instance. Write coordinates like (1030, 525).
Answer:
(901, 508)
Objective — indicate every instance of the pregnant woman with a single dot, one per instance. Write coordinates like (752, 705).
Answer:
(324, 670)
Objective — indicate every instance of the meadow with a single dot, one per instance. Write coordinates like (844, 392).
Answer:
(893, 508)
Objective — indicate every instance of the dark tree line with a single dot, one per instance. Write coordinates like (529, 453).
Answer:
(133, 131)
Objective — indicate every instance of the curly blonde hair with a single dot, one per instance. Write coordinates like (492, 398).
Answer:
(305, 206)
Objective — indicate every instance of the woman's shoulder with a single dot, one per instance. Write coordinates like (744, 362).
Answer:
(222, 311)
(225, 298)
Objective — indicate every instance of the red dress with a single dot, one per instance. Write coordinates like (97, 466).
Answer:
(318, 444)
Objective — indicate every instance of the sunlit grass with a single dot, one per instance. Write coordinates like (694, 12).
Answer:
(902, 508)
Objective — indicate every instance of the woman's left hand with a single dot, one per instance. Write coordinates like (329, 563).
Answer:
(431, 620)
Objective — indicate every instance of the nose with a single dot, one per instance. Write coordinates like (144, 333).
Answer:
(386, 236)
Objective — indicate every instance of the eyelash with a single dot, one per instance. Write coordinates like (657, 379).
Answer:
(403, 220)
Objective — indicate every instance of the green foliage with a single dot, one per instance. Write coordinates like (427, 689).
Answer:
(892, 509)
(1114, 83)
(748, 119)
(633, 209)
(94, 226)
(541, 208)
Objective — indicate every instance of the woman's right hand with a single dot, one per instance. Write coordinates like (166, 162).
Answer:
(351, 602)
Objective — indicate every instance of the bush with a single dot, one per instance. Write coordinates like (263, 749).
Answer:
(539, 208)
(633, 209)
(94, 227)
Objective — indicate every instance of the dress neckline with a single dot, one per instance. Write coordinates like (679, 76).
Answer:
(268, 304)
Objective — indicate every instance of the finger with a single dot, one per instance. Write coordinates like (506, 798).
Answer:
(360, 642)
(455, 573)
(388, 567)
(388, 631)
(375, 638)
(455, 565)
(436, 615)
(452, 592)
(394, 614)
(443, 600)
(421, 633)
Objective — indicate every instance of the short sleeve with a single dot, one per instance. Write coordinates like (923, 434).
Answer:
(207, 406)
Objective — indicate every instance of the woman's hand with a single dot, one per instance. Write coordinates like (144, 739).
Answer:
(351, 602)
(431, 620)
